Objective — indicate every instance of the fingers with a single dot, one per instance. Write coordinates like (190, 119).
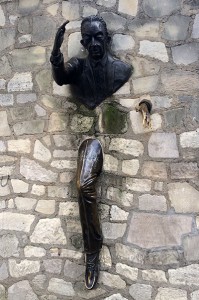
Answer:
(62, 27)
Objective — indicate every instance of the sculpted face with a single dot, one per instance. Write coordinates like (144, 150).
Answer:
(94, 39)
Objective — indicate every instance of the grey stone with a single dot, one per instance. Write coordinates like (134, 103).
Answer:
(9, 246)
(131, 147)
(58, 192)
(49, 231)
(46, 207)
(145, 29)
(73, 270)
(113, 230)
(110, 164)
(160, 8)
(128, 253)
(156, 50)
(23, 268)
(4, 190)
(191, 251)
(33, 171)
(176, 28)
(106, 3)
(163, 258)
(2, 17)
(19, 145)
(152, 202)
(3, 274)
(25, 98)
(140, 291)
(4, 126)
(190, 139)
(31, 251)
(28, 59)
(126, 271)
(161, 102)
(58, 122)
(184, 198)
(121, 197)
(48, 26)
(70, 11)
(6, 100)
(6, 70)
(22, 114)
(64, 164)
(20, 82)
(66, 141)
(74, 46)
(81, 123)
(89, 11)
(195, 32)
(61, 287)
(27, 7)
(145, 84)
(41, 152)
(15, 221)
(40, 111)
(181, 81)
(155, 170)
(2, 292)
(105, 258)
(122, 42)
(53, 9)
(184, 170)
(21, 290)
(154, 275)
(114, 21)
(53, 265)
(188, 275)
(25, 203)
(2, 146)
(129, 7)
(174, 117)
(44, 80)
(163, 145)
(171, 294)
(69, 209)
(118, 214)
(29, 127)
(39, 282)
(24, 25)
(185, 54)
(153, 230)
(138, 185)
(195, 295)
(113, 281)
(115, 297)
(7, 38)
(194, 110)
(143, 67)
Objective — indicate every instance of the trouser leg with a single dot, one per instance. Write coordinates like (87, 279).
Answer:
(90, 160)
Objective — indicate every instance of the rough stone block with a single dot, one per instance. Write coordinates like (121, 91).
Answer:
(129, 253)
(152, 202)
(145, 84)
(69, 209)
(130, 167)
(48, 26)
(184, 170)
(70, 11)
(110, 163)
(74, 46)
(118, 214)
(6, 70)
(195, 31)
(154, 275)
(156, 50)
(113, 281)
(106, 3)
(9, 246)
(2, 17)
(27, 59)
(6, 100)
(29, 127)
(137, 122)
(20, 82)
(113, 230)
(190, 139)
(48, 231)
(19, 186)
(58, 122)
(53, 265)
(25, 98)
(52, 9)
(63, 90)
(126, 271)
(31, 251)
(155, 170)
(73, 270)
(19, 146)
(174, 117)
(191, 251)
(138, 185)
(195, 295)
(188, 275)
(131, 147)
(46, 207)
(121, 42)
(7, 38)
(81, 123)
(152, 230)
(15, 221)
(148, 29)
(20, 290)
(23, 268)
(58, 192)
(185, 54)
(115, 296)
(129, 7)
(121, 197)
(25, 203)
(156, 9)
(105, 258)
(140, 291)
(64, 164)
(184, 198)
(163, 258)
(176, 28)
(41, 152)
(143, 67)
(3, 275)
(61, 287)
(114, 21)
(194, 110)
(180, 81)
(4, 126)
(161, 102)
(28, 7)
(163, 145)
(89, 11)
(171, 294)
(44, 80)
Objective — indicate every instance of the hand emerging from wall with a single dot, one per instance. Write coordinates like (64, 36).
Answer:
(59, 37)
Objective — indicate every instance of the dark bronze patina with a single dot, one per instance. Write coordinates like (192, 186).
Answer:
(99, 75)
(93, 80)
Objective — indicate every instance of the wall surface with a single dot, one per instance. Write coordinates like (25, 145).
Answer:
(149, 187)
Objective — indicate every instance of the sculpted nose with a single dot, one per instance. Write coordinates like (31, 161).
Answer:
(93, 42)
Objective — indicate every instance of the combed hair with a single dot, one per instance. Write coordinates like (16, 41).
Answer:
(95, 18)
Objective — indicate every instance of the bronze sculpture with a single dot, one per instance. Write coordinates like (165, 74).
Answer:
(93, 80)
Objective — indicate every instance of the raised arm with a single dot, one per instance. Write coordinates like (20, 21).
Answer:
(62, 73)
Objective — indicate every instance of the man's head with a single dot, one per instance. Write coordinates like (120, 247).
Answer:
(95, 36)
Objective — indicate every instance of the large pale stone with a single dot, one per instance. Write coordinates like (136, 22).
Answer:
(184, 198)
(113, 230)
(25, 98)
(64, 164)
(53, 9)
(46, 207)
(3, 275)
(58, 122)
(122, 42)
(6, 70)
(74, 46)
(195, 32)
(181, 81)
(145, 84)
(38, 190)
(28, 58)
(106, 3)
(39, 283)
(128, 253)
(71, 254)
(44, 80)
(19, 186)
(118, 214)
(126, 271)
(123, 198)
(163, 258)
(89, 11)
(115, 297)
(185, 54)
(2, 292)
(19, 146)
(110, 163)
(143, 67)
(151, 230)
(20, 82)
(9, 246)
(191, 251)
(195, 295)
(137, 122)
(69, 209)
(149, 29)
(161, 101)
(41, 152)
(53, 265)
(21, 290)
(16, 222)
(130, 167)
(27, 7)
(113, 281)
(132, 147)
(163, 145)
(105, 258)
(129, 7)
(176, 28)
(23, 268)
(63, 90)
(30, 251)
(73, 270)
(48, 26)
(33, 171)
(138, 185)
(2, 17)
(185, 276)
(7, 38)
(81, 123)
(152, 202)
(61, 287)
(140, 291)
(171, 294)
(156, 50)
(4, 190)
(190, 139)
(58, 192)
(160, 8)
(155, 170)
(48, 231)
(114, 21)
(4, 126)
(154, 275)
(70, 11)
(184, 170)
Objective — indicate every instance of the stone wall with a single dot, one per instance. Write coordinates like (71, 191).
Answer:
(149, 187)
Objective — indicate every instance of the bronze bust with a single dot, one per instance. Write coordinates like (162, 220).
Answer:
(93, 80)
(99, 75)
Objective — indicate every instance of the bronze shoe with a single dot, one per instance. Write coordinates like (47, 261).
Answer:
(92, 270)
